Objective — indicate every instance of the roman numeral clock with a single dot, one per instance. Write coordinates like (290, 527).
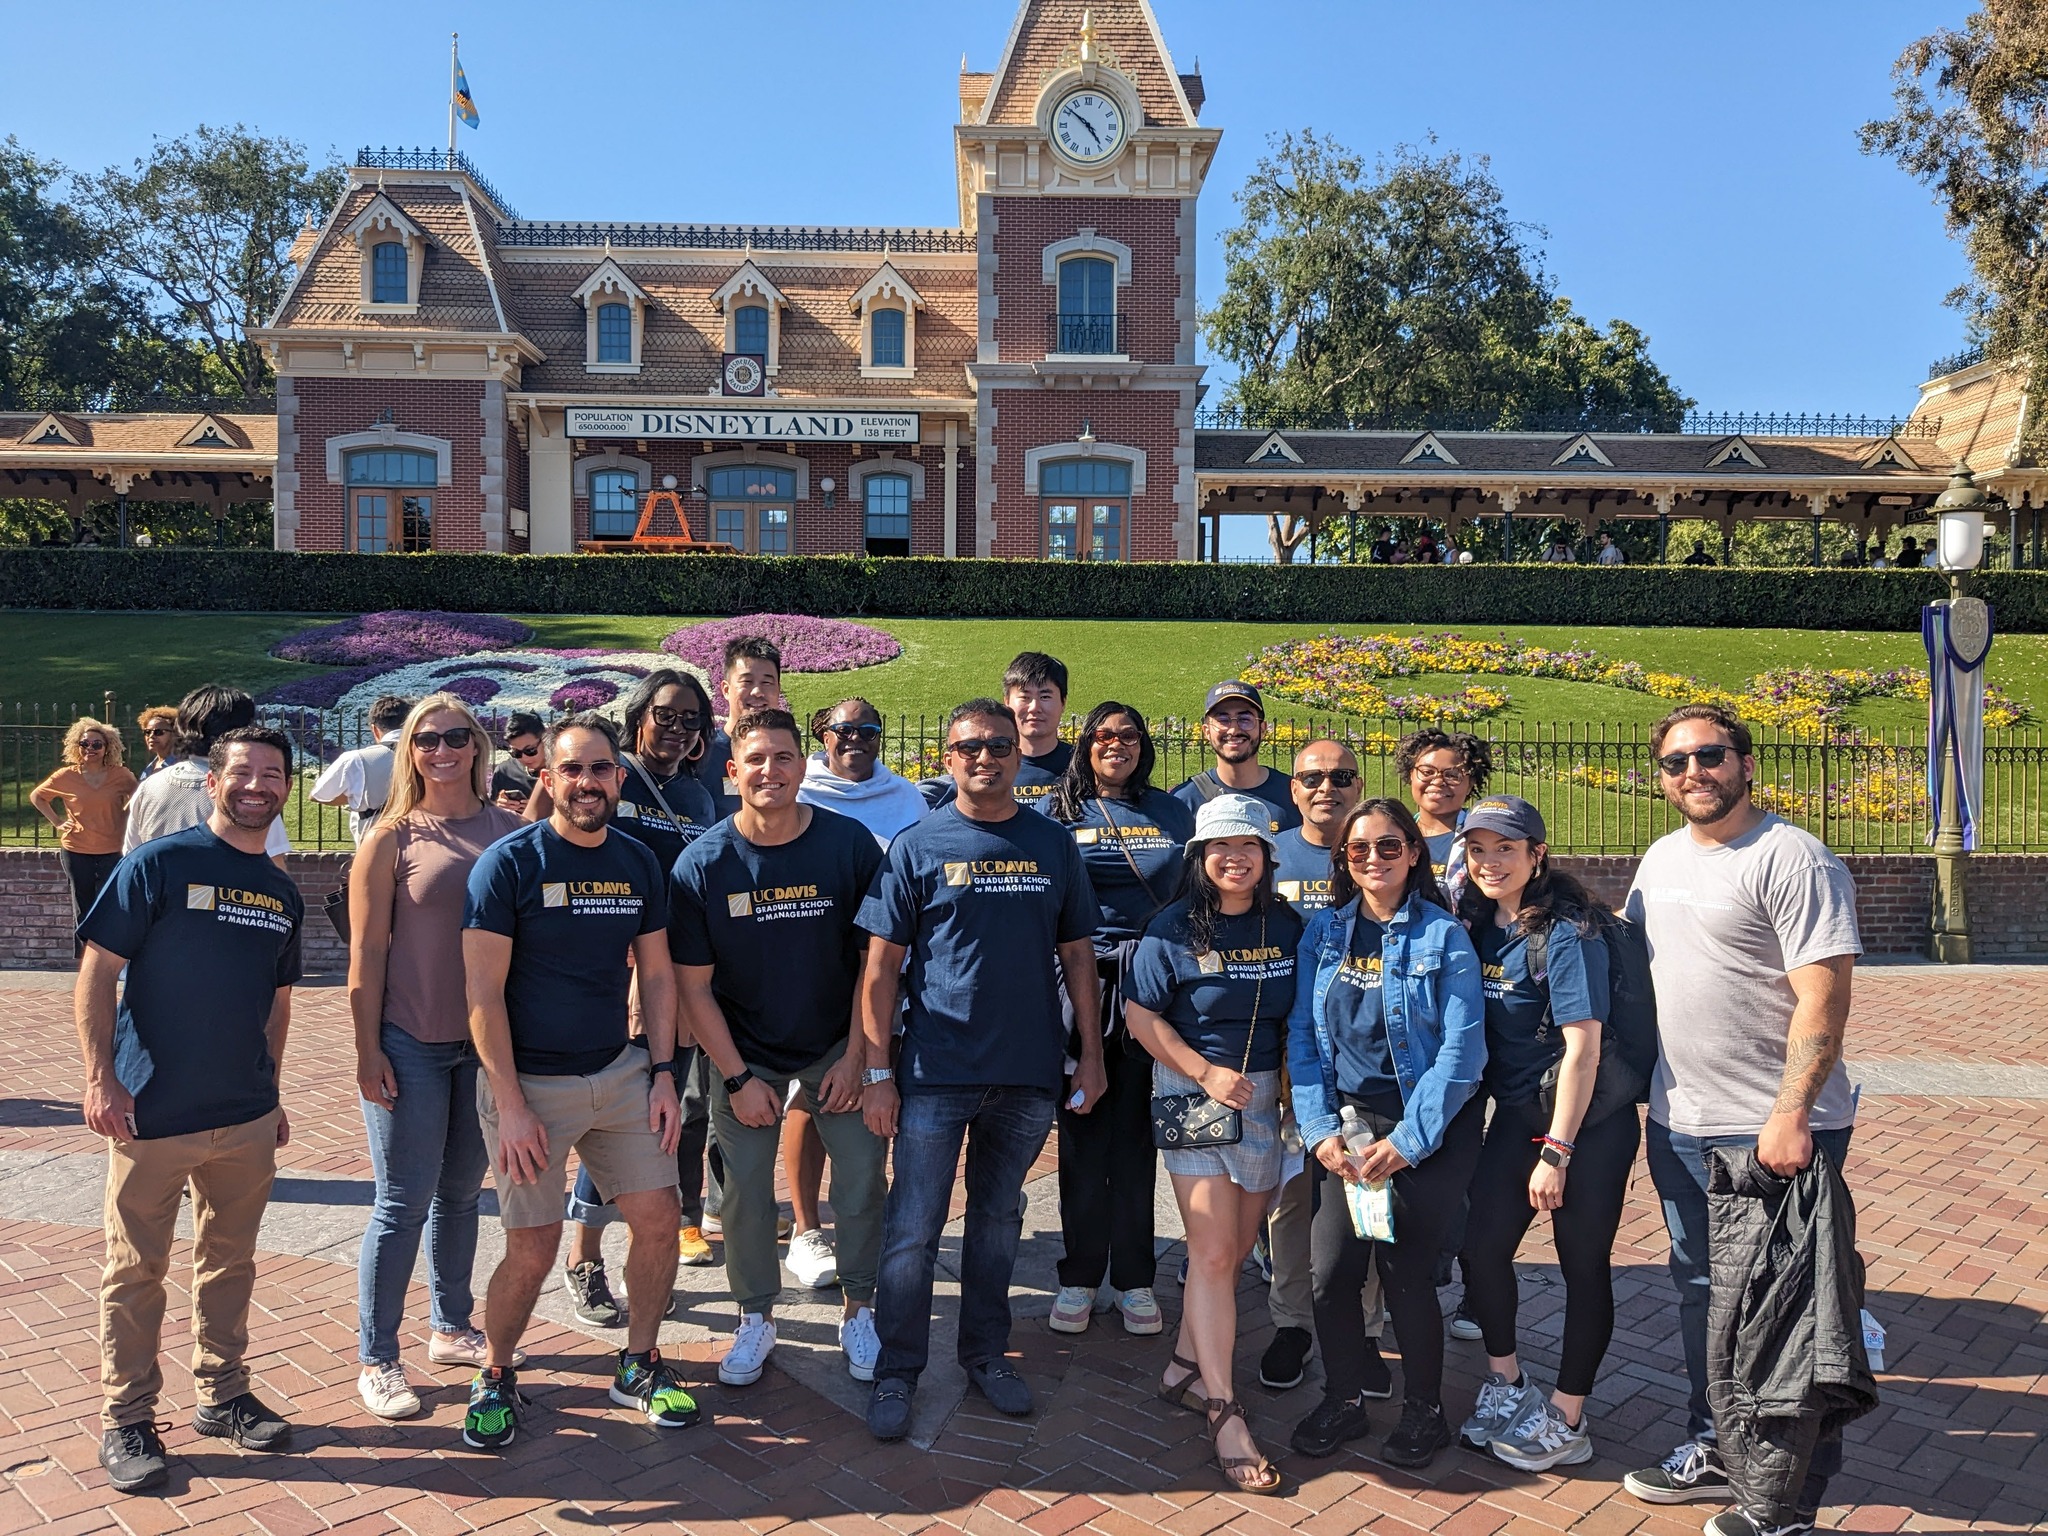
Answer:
(1089, 127)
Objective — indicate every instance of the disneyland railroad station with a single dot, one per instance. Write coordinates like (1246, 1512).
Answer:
(453, 376)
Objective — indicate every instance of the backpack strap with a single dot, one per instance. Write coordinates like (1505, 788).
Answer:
(1207, 785)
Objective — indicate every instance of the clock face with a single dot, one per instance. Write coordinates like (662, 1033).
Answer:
(1088, 127)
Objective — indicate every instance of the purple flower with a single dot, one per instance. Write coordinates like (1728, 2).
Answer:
(323, 691)
(472, 690)
(397, 636)
(808, 644)
(457, 667)
(584, 693)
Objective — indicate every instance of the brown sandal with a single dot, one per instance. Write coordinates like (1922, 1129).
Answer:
(1182, 1394)
(1245, 1474)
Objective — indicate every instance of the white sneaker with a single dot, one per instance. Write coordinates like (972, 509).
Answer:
(385, 1391)
(1071, 1309)
(466, 1346)
(812, 1260)
(752, 1343)
(1141, 1311)
(863, 1347)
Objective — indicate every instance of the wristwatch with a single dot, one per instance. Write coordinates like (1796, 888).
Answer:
(735, 1084)
(875, 1075)
(1557, 1157)
(673, 1067)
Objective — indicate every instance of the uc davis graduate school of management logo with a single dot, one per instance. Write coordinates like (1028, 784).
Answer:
(244, 908)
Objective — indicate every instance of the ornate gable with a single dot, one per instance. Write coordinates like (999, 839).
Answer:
(887, 284)
(1581, 451)
(1274, 450)
(608, 280)
(381, 215)
(55, 429)
(1046, 40)
(1428, 449)
(1735, 453)
(211, 431)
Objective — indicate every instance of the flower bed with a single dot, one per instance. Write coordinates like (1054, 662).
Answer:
(492, 682)
(807, 644)
(400, 635)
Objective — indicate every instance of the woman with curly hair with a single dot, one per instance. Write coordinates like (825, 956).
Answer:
(1443, 770)
(159, 727)
(86, 800)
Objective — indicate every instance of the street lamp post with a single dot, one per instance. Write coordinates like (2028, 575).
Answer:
(1957, 633)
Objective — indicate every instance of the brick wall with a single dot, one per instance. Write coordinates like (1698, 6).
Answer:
(450, 409)
(1025, 226)
(38, 899)
(1136, 418)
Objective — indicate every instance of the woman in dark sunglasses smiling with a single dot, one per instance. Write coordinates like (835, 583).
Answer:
(847, 773)
(1389, 1024)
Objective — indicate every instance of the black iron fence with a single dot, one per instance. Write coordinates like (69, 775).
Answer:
(1074, 335)
(432, 160)
(737, 237)
(1698, 423)
(1860, 792)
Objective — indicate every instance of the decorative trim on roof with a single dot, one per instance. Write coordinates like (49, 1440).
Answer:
(749, 282)
(608, 277)
(1736, 453)
(1429, 449)
(1273, 449)
(53, 428)
(210, 431)
(1581, 450)
(887, 283)
(1889, 453)
(378, 215)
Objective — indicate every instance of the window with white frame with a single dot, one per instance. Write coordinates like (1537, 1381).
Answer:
(614, 504)
(887, 514)
(887, 305)
(1087, 504)
(615, 333)
(615, 319)
(885, 338)
(388, 281)
(394, 251)
(750, 329)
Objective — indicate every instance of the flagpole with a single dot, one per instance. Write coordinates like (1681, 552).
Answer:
(452, 67)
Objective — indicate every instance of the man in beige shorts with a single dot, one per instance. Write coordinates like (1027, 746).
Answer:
(555, 911)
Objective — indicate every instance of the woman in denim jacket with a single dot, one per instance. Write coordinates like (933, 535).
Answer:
(1389, 1020)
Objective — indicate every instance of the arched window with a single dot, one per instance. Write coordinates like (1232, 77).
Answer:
(885, 341)
(751, 505)
(888, 508)
(1087, 318)
(388, 509)
(614, 501)
(387, 273)
(1086, 503)
(614, 333)
(750, 329)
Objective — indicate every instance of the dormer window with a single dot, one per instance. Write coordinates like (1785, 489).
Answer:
(614, 333)
(885, 338)
(753, 315)
(394, 253)
(750, 329)
(388, 273)
(614, 319)
(887, 306)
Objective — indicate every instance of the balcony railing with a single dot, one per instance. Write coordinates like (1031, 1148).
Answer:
(1955, 362)
(432, 160)
(1085, 335)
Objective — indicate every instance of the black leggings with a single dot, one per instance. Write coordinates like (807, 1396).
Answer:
(1596, 1186)
(87, 873)
(1425, 1201)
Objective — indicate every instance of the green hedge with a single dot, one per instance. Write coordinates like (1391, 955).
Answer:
(264, 581)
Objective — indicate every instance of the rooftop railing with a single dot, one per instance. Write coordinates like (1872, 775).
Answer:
(1694, 423)
(432, 160)
(741, 237)
(1955, 362)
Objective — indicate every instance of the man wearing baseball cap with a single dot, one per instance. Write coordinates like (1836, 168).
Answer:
(1234, 724)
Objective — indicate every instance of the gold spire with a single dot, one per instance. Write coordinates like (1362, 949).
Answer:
(1087, 37)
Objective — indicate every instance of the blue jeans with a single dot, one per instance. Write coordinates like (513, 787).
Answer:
(1678, 1167)
(1005, 1129)
(429, 1156)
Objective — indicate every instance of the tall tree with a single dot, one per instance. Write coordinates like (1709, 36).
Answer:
(206, 222)
(1403, 295)
(1970, 121)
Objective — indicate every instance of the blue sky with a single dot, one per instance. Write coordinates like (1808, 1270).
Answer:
(1694, 167)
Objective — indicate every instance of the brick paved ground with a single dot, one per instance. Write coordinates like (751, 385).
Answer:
(1952, 1225)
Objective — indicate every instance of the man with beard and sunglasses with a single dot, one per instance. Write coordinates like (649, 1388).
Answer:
(554, 911)
(1234, 726)
(1752, 932)
(187, 1095)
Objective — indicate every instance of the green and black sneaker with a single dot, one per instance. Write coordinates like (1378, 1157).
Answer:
(649, 1384)
(493, 1416)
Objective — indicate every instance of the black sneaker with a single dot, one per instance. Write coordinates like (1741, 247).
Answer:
(1464, 1325)
(1693, 1471)
(590, 1295)
(1732, 1522)
(134, 1457)
(1286, 1359)
(1379, 1381)
(247, 1422)
(649, 1384)
(492, 1419)
(1422, 1432)
(1335, 1421)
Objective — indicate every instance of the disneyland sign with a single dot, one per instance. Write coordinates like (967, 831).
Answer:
(773, 424)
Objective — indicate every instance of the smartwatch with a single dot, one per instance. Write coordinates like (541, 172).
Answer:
(1557, 1157)
(875, 1075)
(673, 1067)
(736, 1083)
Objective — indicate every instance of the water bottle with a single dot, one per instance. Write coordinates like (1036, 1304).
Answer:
(1371, 1205)
(1356, 1133)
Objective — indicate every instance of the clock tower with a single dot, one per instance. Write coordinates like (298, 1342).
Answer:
(1080, 161)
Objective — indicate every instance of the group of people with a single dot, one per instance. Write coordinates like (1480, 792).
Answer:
(1361, 1035)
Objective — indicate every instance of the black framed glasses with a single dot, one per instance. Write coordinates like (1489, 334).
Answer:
(854, 730)
(1387, 849)
(454, 739)
(974, 746)
(92, 744)
(1674, 763)
(677, 719)
(1312, 778)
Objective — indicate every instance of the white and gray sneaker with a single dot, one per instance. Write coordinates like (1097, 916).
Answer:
(812, 1259)
(752, 1343)
(385, 1391)
(863, 1346)
(1538, 1441)
(1500, 1404)
(1692, 1471)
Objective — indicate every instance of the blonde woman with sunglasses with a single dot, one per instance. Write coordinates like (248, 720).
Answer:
(86, 800)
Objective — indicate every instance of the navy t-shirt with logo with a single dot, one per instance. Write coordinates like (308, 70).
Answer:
(776, 925)
(1277, 790)
(1355, 1010)
(667, 832)
(714, 771)
(572, 914)
(1209, 997)
(1301, 871)
(981, 907)
(209, 933)
(1522, 1013)
(1153, 830)
(1036, 777)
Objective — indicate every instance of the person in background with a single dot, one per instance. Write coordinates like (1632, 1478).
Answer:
(1425, 548)
(177, 797)
(416, 1069)
(1543, 1031)
(1402, 554)
(1130, 837)
(360, 779)
(1234, 726)
(749, 679)
(512, 780)
(1699, 555)
(1208, 989)
(1878, 560)
(1559, 552)
(1326, 787)
(1611, 553)
(1910, 554)
(1381, 551)
(1035, 688)
(159, 727)
(187, 1096)
(1753, 941)
(1389, 1022)
(86, 800)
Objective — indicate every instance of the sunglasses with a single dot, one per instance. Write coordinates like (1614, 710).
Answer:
(994, 746)
(523, 753)
(156, 730)
(1389, 850)
(454, 739)
(1342, 778)
(1673, 763)
(854, 730)
(600, 770)
(677, 719)
(91, 744)
(1129, 736)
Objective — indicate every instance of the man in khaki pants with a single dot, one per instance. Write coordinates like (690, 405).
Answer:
(182, 1080)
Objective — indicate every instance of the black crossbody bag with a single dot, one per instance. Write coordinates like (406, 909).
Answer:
(1183, 1121)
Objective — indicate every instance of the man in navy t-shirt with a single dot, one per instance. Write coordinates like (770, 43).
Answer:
(554, 911)
(1035, 688)
(761, 927)
(1234, 724)
(751, 679)
(980, 896)
(182, 1080)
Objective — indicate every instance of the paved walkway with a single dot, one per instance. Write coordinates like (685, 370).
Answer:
(1951, 1158)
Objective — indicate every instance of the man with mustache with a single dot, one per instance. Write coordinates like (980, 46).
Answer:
(554, 910)
(1234, 725)
(187, 1094)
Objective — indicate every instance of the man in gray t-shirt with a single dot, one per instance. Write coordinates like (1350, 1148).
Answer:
(1752, 933)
